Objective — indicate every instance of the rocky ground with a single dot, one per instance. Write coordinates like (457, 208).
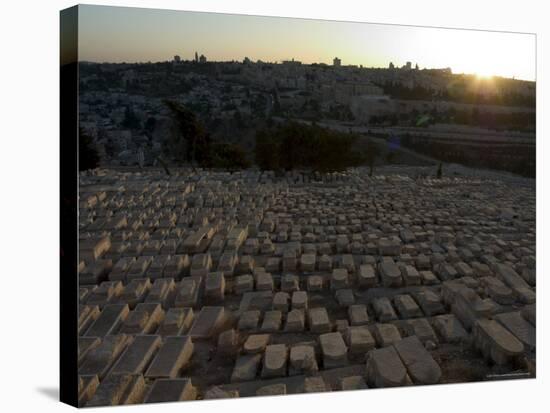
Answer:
(208, 284)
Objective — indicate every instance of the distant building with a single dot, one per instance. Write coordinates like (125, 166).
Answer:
(408, 66)
(291, 62)
(392, 66)
(177, 59)
(202, 59)
(337, 62)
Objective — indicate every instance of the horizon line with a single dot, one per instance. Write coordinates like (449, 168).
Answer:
(307, 64)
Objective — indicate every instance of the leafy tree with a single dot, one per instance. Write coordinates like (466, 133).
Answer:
(88, 158)
(372, 152)
(150, 124)
(293, 146)
(130, 121)
(229, 156)
(189, 141)
(267, 151)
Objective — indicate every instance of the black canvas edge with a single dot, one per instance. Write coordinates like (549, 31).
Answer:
(68, 277)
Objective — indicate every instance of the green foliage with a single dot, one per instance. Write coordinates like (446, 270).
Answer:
(130, 121)
(458, 91)
(517, 158)
(372, 152)
(297, 146)
(189, 141)
(88, 157)
(150, 124)
(228, 156)
(267, 150)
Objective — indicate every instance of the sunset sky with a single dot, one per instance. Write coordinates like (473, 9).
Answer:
(118, 34)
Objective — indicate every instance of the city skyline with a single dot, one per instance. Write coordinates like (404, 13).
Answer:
(116, 35)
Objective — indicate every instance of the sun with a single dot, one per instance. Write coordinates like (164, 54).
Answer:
(484, 74)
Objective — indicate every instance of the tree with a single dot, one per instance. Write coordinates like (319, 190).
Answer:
(229, 156)
(372, 153)
(88, 158)
(294, 145)
(131, 121)
(267, 151)
(189, 141)
(150, 124)
(440, 170)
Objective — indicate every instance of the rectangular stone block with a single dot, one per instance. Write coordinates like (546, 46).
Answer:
(163, 291)
(410, 275)
(384, 310)
(249, 320)
(307, 262)
(360, 340)
(449, 327)
(295, 321)
(358, 315)
(145, 319)
(430, 302)
(87, 314)
(101, 358)
(264, 282)
(118, 390)
(208, 323)
(172, 357)
(407, 307)
(386, 334)
(339, 279)
(272, 321)
(171, 390)
(519, 327)
(496, 342)
(275, 361)
(188, 292)
(137, 355)
(421, 328)
(390, 274)
(214, 287)
(302, 360)
(109, 320)
(243, 283)
(315, 283)
(246, 368)
(87, 386)
(366, 278)
(177, 321)
(334, 350)
(201, 265)
(385, 368)
(420, 365)
(280, 301)
(135, 292)
(86, 345)
(318, 320)
(513, 280)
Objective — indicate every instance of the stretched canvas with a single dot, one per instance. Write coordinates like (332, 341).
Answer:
(260, 206)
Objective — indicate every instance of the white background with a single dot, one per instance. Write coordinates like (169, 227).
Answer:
(29, 216)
